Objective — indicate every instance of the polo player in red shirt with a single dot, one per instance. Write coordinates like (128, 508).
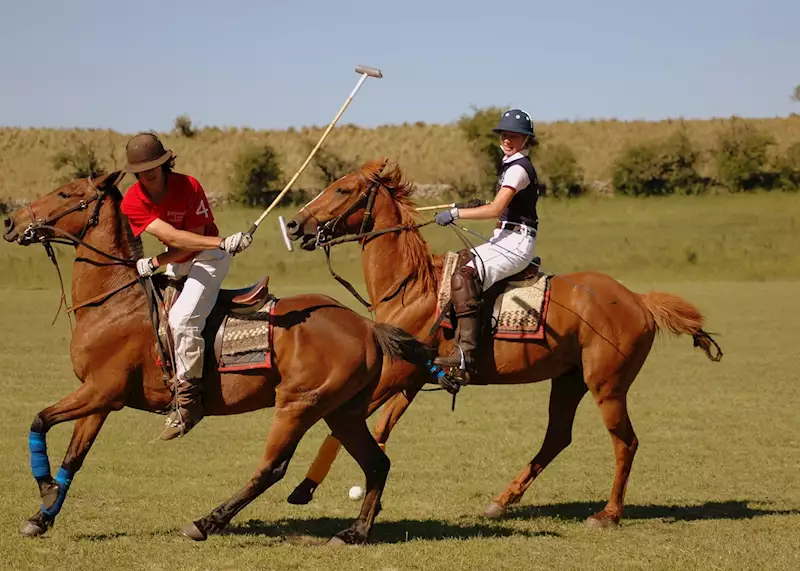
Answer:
(173, 207)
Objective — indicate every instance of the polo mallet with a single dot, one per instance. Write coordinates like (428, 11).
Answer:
(365, 73)
(437, 207)
(286, 239)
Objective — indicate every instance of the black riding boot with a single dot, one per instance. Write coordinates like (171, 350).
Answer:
(465, 293)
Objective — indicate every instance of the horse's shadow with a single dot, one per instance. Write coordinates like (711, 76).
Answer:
(315, 530)
(578, 511)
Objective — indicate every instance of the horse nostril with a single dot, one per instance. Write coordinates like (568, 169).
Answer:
(291, 225)
(9, 224)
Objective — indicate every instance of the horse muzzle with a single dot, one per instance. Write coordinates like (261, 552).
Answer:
(301, 231)
(10, 234)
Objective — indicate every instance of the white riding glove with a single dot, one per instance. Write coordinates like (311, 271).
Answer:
(236, 243)
(145, 267)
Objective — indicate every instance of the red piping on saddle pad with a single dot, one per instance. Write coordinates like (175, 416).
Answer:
(266, 363)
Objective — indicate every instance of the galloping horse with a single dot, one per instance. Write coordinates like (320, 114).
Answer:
(597, 333)
(113, 353)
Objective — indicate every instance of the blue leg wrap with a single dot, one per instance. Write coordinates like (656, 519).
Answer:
(64, 480)
(435, 370)
(40, 464)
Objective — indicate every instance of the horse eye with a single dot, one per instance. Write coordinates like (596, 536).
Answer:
(63, 194)
(342, 191)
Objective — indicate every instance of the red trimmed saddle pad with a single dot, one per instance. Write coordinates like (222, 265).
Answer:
(518, 304)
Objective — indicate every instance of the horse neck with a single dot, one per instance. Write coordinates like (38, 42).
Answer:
(391, 258)
(112, 236)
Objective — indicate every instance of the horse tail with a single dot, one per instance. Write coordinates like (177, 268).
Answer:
(397, 343)
(676, 315)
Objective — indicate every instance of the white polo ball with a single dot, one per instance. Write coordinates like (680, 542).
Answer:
(356, 493)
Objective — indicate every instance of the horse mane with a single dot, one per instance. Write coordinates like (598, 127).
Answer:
(399, 189)
(123, 235)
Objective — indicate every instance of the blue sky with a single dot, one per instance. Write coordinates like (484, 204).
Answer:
(136, 65)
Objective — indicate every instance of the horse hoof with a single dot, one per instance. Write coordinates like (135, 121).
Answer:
(601, 521)
(494, 511)
(193, 532)
(32, 529)
(303, 493)
(336, 542)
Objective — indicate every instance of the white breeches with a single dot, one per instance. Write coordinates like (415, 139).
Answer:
(188, 315)
(506, 254)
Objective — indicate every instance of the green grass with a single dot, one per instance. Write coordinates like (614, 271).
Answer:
(714, 484)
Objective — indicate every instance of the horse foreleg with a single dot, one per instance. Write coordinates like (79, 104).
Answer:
(396, 406)
(284, 435)
(566, 393)
(54, 491)
(90, 407)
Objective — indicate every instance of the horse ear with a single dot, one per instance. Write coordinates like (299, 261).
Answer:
(109, 180)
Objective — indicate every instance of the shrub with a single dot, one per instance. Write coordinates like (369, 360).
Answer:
(184, 127)
(82, 162)
(658, 168)
(331, 167)
(561, 174)
(788, 168)
(741, 155)
(255, 174)
(478, 130)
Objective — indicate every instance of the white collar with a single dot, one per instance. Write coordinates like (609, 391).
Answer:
(514, 157)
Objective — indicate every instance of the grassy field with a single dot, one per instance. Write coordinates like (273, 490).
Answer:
(429, 153)
(714, 485)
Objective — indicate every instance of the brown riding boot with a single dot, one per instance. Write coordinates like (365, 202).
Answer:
(465, 293)
(188, 410)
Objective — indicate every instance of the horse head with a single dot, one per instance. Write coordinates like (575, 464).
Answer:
(345, 206)
(71, 208)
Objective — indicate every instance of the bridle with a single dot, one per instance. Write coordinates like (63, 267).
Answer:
(326, 230)
(35, 232)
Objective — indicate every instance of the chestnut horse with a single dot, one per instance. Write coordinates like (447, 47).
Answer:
(328, 361)
(597, 336)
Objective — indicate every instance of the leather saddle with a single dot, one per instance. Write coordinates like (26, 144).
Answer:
(241, 301)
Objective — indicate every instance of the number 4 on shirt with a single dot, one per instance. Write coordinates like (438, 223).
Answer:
(202, 209)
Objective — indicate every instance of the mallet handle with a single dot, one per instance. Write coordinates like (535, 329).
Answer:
(275, 202)
(437, 207)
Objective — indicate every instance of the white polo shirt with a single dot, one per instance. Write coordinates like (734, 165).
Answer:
(516, 177)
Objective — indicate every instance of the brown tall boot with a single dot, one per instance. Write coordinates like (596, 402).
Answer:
(465, 293)
(188, 410)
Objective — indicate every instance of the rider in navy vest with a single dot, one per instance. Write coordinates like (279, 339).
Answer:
(511, 248)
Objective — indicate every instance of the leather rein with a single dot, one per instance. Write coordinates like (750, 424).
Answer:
(35, 233)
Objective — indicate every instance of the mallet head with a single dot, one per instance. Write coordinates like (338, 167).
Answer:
(370, 71)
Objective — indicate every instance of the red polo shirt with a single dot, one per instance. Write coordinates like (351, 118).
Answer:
(184, 206)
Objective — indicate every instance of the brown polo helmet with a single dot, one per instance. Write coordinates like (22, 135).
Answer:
(144, 152)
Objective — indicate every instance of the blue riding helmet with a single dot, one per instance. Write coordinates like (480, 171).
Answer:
(515, 121)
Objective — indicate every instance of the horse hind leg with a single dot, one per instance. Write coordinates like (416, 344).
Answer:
(285, 433)
(566, 393)
(350, 427)
(610, 394)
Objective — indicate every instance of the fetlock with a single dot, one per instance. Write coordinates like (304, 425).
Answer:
(187, 409)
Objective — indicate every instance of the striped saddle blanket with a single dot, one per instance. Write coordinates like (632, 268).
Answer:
(518, 306)
(240, 343)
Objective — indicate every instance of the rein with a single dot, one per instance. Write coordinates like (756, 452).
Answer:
(34, 233)
(364, 235)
